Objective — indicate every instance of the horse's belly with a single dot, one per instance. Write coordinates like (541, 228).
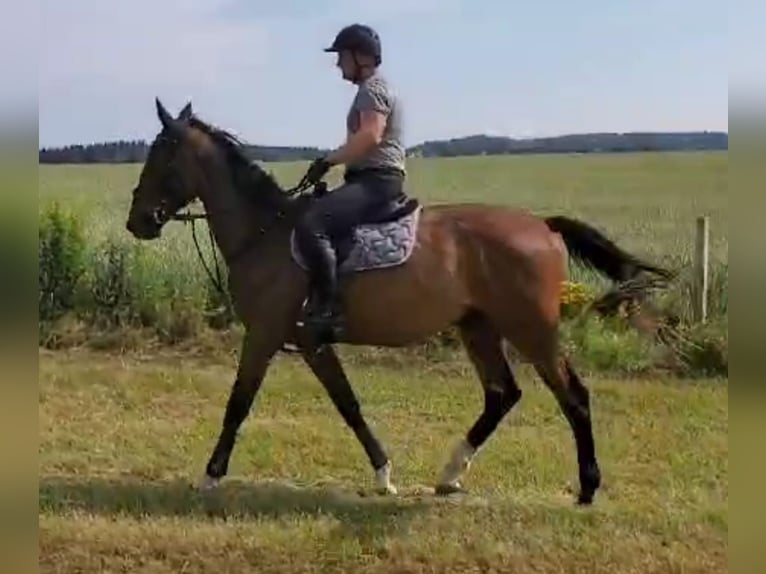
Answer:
(399, 307)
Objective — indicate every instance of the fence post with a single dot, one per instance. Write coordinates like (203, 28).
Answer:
(701, 268)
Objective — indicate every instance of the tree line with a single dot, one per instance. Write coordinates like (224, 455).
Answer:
(136, 151)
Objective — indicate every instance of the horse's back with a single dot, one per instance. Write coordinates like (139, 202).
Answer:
(509, 225)
(496, 243)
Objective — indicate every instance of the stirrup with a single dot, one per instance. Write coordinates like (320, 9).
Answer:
(327, 326)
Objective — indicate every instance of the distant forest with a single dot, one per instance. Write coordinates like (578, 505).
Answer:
(135, 151)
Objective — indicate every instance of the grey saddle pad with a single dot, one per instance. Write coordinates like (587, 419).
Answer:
(375, 245)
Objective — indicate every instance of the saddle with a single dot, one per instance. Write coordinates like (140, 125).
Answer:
(387, 240)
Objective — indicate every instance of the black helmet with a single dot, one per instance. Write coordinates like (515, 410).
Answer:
(358, 38)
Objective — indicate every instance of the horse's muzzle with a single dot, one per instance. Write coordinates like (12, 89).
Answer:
(145, 225)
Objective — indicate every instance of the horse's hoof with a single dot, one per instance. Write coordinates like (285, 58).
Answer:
(208, 483)
(590, 481)
(386, 490)
(383, 480)
(585, 499)
(447, 489)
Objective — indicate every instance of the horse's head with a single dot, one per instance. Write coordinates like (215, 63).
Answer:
(166, 183)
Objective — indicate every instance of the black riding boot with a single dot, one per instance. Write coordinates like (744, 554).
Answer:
(323, 315)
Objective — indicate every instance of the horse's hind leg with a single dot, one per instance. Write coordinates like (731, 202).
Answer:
(573, 397)
(484, 347)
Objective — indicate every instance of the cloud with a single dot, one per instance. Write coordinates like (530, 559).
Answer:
(378, 9)
(18, 60)
(335, 10)
(117, 56)
(144, 42)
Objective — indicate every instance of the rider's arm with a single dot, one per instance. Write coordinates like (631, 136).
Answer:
(373, 104)
(372, 123)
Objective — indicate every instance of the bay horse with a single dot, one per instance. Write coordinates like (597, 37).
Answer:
(495, 273)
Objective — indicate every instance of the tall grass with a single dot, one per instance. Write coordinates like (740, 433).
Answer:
(93, 274)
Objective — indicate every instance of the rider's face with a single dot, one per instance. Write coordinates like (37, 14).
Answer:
(347, 65)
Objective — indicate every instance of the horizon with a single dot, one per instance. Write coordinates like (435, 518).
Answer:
(257, 69)
(416, 144)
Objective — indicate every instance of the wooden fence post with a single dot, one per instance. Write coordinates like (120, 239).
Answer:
(701, 268)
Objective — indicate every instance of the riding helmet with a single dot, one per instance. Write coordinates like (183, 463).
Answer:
(359, 38)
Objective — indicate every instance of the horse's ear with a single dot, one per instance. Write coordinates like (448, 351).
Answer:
(186, 113)
(165, 118)
(171, 124)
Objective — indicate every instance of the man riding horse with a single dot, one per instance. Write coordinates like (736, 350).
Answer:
(374, 157)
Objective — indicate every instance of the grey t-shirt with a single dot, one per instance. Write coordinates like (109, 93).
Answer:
(374, 93)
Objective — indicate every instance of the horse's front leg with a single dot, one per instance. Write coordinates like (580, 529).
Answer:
(257, 350)
(325, 364)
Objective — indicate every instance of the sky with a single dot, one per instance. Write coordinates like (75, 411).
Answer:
(460, 67)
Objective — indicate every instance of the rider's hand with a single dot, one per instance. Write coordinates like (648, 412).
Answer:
(317, 170)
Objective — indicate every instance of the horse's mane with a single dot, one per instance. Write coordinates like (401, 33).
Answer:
(258, 184)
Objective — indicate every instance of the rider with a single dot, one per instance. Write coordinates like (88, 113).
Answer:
(374, 157)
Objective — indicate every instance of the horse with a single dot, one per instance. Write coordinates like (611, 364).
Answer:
(494, 273)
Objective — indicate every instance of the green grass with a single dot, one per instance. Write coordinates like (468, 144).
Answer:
(123, 440)
(647, 201)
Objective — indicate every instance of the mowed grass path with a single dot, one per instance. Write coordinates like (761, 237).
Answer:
(648, 202)
(124, 439)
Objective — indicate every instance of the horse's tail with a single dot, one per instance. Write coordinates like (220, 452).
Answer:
(591, 247)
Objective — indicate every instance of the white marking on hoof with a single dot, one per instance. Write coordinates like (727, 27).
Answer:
(383, 480)
(208, 483)
(459, 462)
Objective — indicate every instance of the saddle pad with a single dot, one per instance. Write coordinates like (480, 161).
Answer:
(375, 245)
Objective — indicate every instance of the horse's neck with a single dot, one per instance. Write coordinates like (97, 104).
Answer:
(239, 224)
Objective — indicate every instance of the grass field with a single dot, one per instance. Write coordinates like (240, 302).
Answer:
(124, 439)
(646, 201)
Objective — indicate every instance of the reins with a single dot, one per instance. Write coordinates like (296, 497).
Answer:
(189, 217)
(216, 281)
